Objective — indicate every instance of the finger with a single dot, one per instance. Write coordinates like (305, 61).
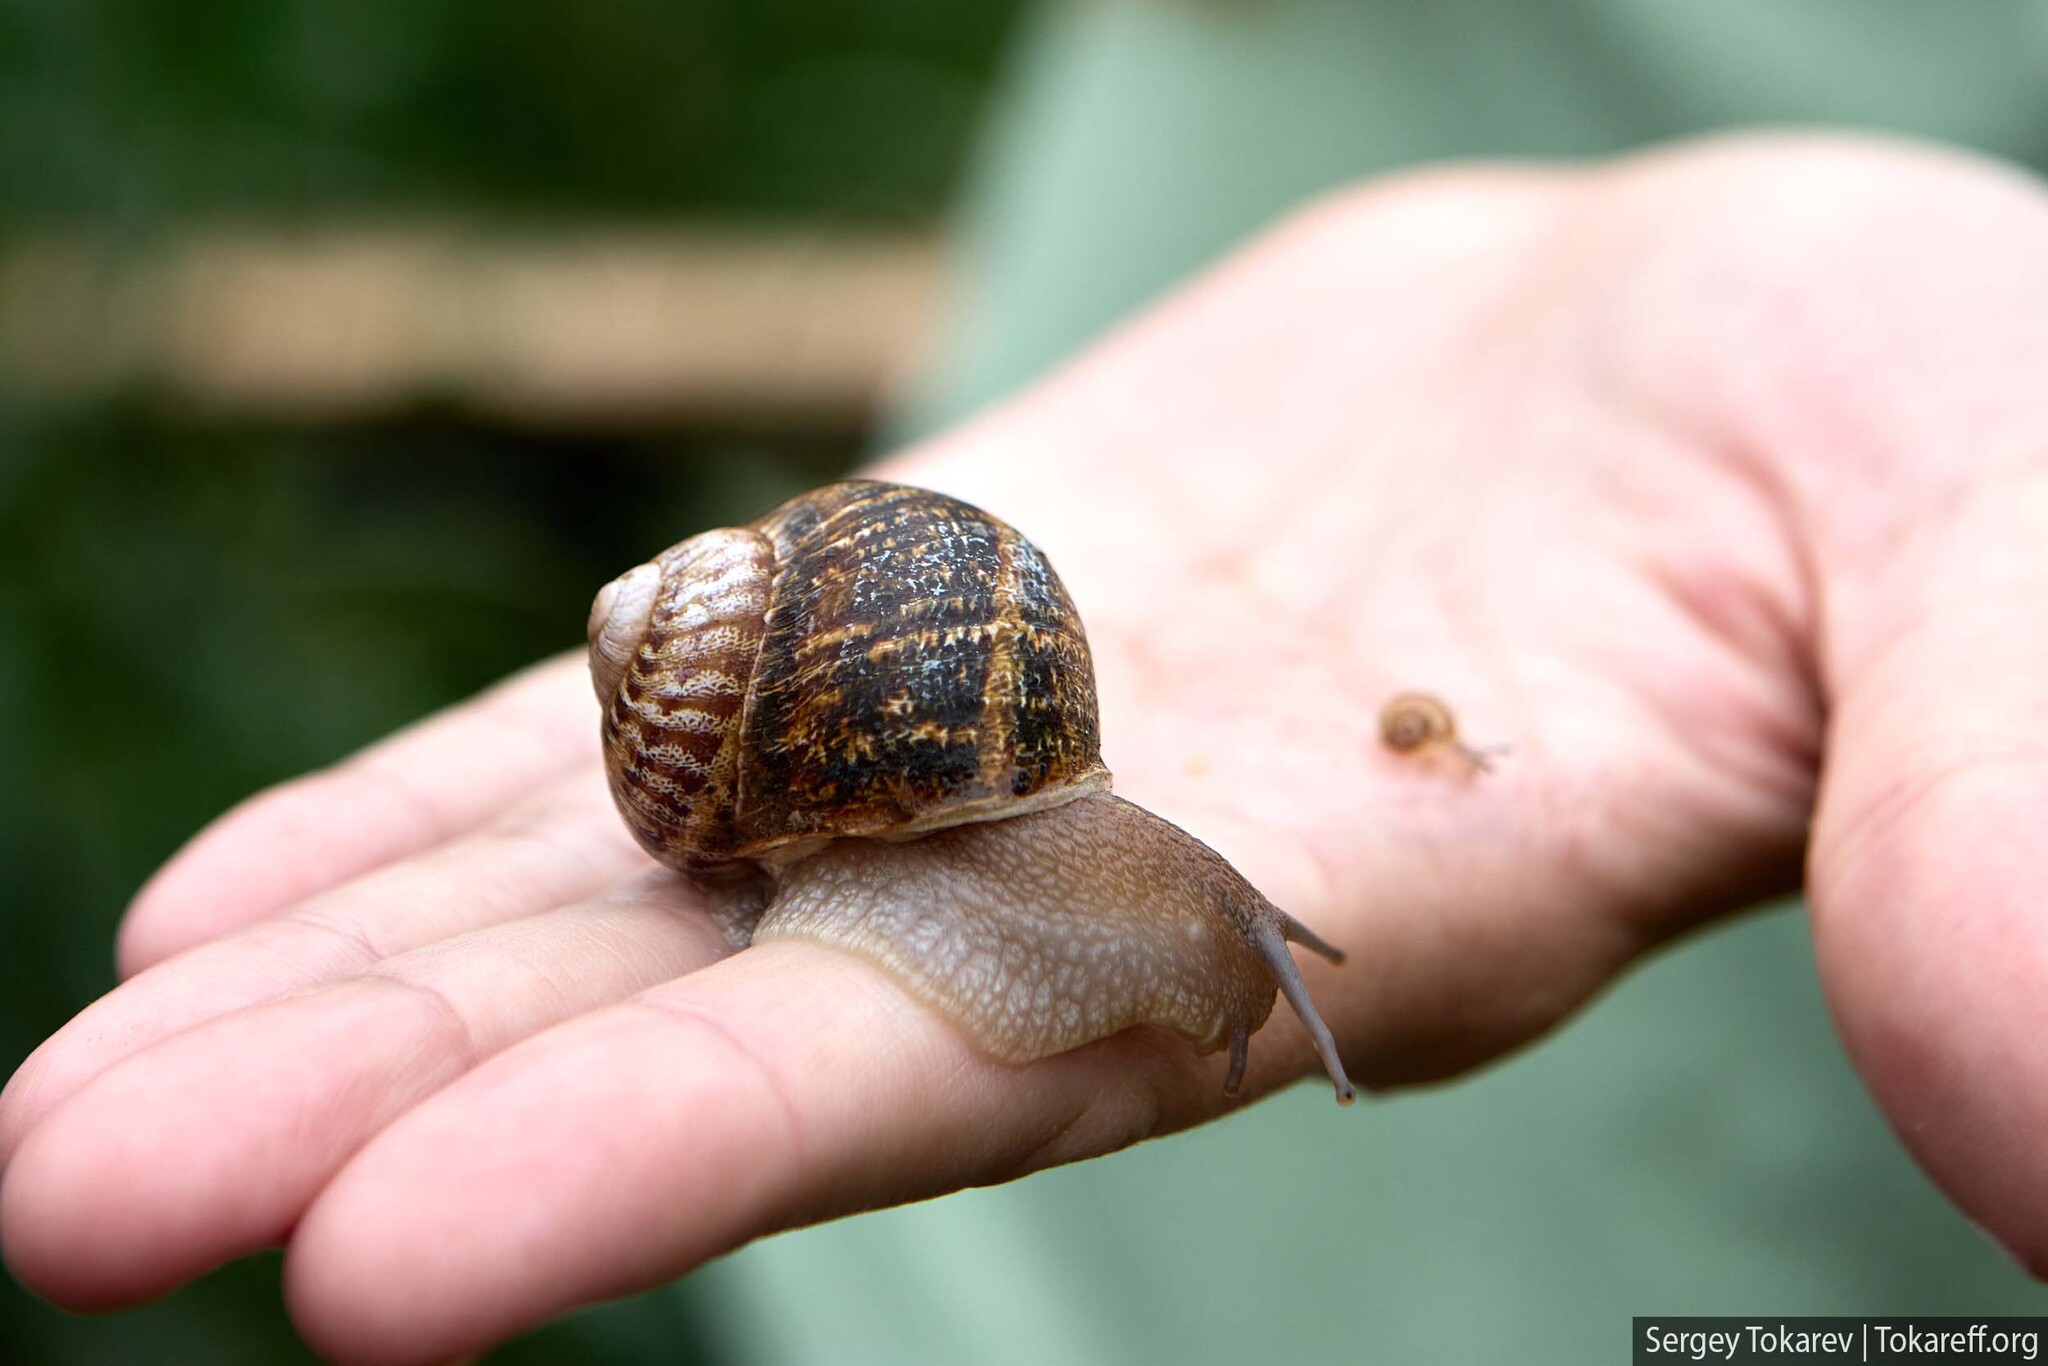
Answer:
(784, 1085)
(427, 784)
(566, 845)
(1930, 865)
(210, 1145)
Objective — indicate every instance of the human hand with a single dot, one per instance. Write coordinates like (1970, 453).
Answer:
(1714, 482)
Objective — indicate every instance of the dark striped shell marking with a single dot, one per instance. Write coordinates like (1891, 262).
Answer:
(914, 664)
(923, 666)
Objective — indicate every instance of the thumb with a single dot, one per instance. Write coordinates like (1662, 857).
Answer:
(1897, 391)
(1929, 866)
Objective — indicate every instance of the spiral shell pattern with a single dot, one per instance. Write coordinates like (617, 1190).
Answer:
(867, 659)
(672, 725)
(1411, 720)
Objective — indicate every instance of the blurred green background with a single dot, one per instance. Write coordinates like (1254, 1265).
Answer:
(263, 568)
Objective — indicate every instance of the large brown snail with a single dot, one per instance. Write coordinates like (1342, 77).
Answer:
(869, 718)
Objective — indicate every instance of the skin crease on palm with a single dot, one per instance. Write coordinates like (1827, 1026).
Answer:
(1713, 481)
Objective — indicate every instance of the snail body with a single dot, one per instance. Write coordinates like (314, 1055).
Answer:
(872, 711)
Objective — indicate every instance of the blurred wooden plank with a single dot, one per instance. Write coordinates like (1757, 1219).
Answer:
(593, 327)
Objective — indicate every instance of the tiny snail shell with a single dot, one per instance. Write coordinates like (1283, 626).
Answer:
(1415, 722)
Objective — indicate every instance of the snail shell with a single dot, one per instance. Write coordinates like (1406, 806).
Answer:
(879, 700)
(867, 659)
(1414, 722)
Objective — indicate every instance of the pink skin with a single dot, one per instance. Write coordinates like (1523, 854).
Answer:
(1676, 474)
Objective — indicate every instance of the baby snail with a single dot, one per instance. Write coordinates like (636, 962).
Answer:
(868, 719)
(1415, 722)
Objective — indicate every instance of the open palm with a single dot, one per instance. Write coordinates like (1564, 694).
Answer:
(1714, 483)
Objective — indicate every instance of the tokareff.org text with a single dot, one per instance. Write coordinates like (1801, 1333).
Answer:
(1880, 1340)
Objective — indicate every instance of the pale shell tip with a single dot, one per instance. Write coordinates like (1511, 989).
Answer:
(618, 618)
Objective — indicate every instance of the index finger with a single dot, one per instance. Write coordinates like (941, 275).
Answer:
(435, 780)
